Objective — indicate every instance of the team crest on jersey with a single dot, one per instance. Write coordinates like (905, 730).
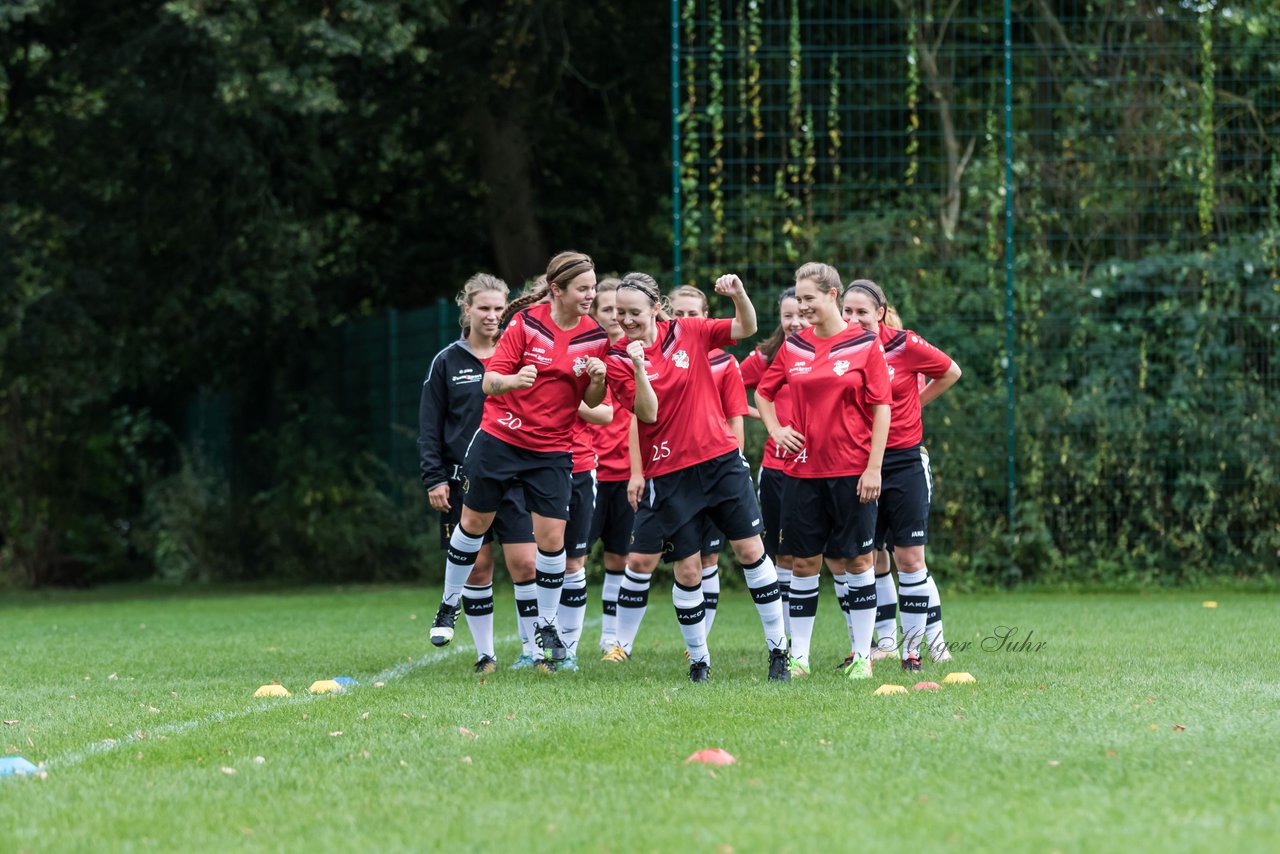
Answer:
(681, 359)
(579, 365)
(840, 367)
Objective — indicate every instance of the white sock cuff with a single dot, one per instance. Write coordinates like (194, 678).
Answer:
(708, 571)
(461, 541)
(805, 584)
(910, 579)
(762, 575)
(682, 597)
(854, 580)
(473, 592)
(576, 579)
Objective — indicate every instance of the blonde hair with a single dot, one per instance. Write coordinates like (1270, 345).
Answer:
(690, 291)
(824, 275)
(604, 286)
(476, 285)
(563, 268)
(645, 284)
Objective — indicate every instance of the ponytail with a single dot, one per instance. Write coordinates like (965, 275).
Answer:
(561, 269)
(770, 346)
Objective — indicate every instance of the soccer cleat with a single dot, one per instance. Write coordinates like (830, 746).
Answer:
(486, 664)
(940, 653)
(525, 660)
(548, 639)
(617, 655)
(570, 663)
(442, 626)
(849, 660)
(798, 667)
(879, 653)
(544, 665)
(699, 671)
(859, 668)
(779, 666)
(911, 663)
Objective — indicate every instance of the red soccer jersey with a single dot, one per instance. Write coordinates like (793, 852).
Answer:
(733, 394)
(753, 369)
(691, 426)
(541, 417)
(610, 443)
(834, 383)
(584, 453)
(910, 359)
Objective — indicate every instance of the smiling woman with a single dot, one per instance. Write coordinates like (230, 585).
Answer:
(547, 363)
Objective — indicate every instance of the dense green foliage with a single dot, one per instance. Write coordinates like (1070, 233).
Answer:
(1121, 732)
(200, 200)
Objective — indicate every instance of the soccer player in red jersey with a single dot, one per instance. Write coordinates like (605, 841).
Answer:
(907, 488)
(448, 417)
(688, 301)
(770, 478)
(694, 470)
(546, 364)
(840, 400)
(614, 516)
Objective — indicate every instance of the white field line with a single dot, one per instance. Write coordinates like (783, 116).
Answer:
(397, 671)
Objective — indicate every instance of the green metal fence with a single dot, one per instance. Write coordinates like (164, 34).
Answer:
(1077, 200)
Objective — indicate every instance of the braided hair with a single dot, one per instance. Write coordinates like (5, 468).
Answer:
(561, 269)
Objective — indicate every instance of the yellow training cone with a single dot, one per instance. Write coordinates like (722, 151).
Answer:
(885, 690)
(959, 678)
(325, 686)
(273, 690)
(1210, 604)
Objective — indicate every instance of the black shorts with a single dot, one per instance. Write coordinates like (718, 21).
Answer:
(613, 519)
(769, 493)
(712, 537)
(512, 524)
(582, 509)
(492, 467)
(906, 491)
(675, 505)
(823, 515)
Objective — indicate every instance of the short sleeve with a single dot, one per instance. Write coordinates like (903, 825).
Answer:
(774, 377)
(752, 369)
(510, 350)
(876, 375)
(620, 378)
(733, 394)
(719, 332)
(921, 357)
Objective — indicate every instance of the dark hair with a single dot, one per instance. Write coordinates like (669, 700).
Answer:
(563, 268)
(769, 348)
(876, 293)
(645, 284)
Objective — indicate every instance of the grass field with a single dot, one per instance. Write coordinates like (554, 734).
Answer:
(140, 707)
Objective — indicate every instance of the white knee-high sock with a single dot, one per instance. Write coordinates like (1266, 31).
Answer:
(460, 559)
(691, 612)
(762, 581)
(784, 592)
(913, 603)
(842, 592)
(573, 609)
(886, 612)
(633, 601)
(609, 607)
(550, 578)
(862, 608)
(477, 606)
(711, 592)
(526, 616)
(933, 621)
(804, 610)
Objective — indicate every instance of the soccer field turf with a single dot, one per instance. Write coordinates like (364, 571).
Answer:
(140, 707)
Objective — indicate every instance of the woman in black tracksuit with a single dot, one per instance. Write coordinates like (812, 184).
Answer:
(449, 416)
